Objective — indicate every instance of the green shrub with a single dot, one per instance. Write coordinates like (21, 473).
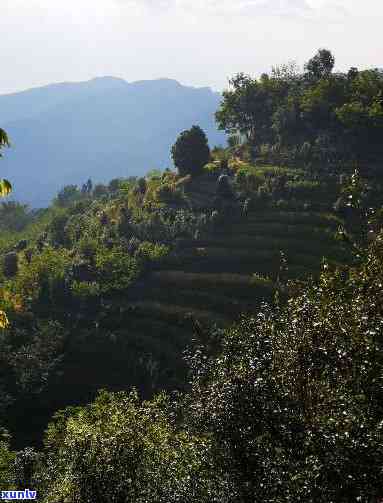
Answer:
(67, 196)
(57, 230)
(116, 269)
(45, 270)
(7, 458)
(121, 449)
(152, 252)
(83, 290)
(88, 249)
(166, 193)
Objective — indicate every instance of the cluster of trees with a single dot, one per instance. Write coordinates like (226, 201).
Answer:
(72, 193)
(15, 216)
(316, 114)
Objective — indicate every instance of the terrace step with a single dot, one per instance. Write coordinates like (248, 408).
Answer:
(293, 217)
(247, 243)
(273, 229)
(246, 261)
(195, 280)
(205, 299)
(179, 313)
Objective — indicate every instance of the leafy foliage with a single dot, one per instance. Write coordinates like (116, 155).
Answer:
(68, 195)
(37, 281)
(321, 65)
(6, 461)
(314, 118)
(116, 270)
(191, 151)
(121, 449)
(29, 356)
(14, 216)
(293, 398)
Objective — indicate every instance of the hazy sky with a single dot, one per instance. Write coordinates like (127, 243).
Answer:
(198, 42)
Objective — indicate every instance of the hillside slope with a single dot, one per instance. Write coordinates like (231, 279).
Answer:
(133, 279)
(209, 281)
(105, 128)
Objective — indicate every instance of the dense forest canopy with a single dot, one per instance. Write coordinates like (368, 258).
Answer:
(212, 334)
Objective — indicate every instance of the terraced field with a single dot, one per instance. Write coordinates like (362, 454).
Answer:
(209, 280)
(232, 270)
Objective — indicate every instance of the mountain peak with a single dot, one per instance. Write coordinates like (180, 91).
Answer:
(108, 80)
(162, 82)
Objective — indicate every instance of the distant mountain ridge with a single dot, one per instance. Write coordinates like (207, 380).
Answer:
(103, 128)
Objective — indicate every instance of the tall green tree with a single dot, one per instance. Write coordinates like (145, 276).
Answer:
(191, 151)
(246, 108)
(361, 116)
(321, 65)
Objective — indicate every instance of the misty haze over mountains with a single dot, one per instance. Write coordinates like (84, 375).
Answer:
(101, 129)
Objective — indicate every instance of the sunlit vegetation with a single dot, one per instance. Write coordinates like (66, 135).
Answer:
(230, 310)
